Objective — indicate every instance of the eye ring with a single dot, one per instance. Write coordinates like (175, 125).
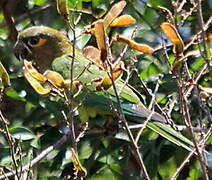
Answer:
(36, 41)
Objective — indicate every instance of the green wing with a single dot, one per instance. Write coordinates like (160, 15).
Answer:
(95, 102)
(86, 72)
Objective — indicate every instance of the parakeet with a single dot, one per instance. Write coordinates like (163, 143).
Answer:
(50, 49)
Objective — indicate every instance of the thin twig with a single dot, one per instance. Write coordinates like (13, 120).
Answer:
(11, 145)
(187, 91)
(154, 95)
(33, 12)
(120, 113)
(187, 121)
(13, 33)
(70, 96)
(203, 36)
(186, 160)
(123, 119)
(149, 92)
(189, 41)
(198, 76)
(180, 7)
(195, 129)
(194, 38)
(150, 115)
(144, 126)
(188, 13)
(42, 155)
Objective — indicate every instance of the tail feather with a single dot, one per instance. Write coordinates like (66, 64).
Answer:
(103, 104)
(140, 111)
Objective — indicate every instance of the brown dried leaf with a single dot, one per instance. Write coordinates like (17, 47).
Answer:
(114, 12)
(100, 38)
(171, 32)
(124, 20)
(106, 82)
(93, 54)
(137, 46)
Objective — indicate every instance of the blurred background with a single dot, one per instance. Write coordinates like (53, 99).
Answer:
(104, 151)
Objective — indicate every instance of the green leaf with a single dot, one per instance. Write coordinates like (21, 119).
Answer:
(75, 4)
(196, 64)
(21, 133)
(85, 150)
(13, 94)
(122, 136)
(39, 2)
(35, 143)
(82, 41)
(150, 70)
(151, 15)
(157, 3)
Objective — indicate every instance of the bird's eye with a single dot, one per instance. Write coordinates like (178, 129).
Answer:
(36, 41)
(33, 41)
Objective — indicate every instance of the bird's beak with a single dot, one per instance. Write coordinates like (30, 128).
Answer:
(16, 50)
(21, 51)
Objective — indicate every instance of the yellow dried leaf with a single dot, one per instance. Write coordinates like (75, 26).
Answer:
(76, 85)
(4, 77)
(171, 32)
(114, 12)
(54, 78)
(33, 72)
(137, 46)
(124, 20)
(80, 171)
(67, 83)
(209, 37)
(106, 82)
(35, 83)
(209, 41)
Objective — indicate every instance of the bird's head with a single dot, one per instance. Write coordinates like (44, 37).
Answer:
(41, 45)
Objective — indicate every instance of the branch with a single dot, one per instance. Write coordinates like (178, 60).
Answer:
(186, 118)
(203, 36)
(123, 119)
(206, 26)
(186, 160)
(42, 155)
(13, 33)
(151, 107)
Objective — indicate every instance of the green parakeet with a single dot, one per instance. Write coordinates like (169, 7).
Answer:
(50, 49)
